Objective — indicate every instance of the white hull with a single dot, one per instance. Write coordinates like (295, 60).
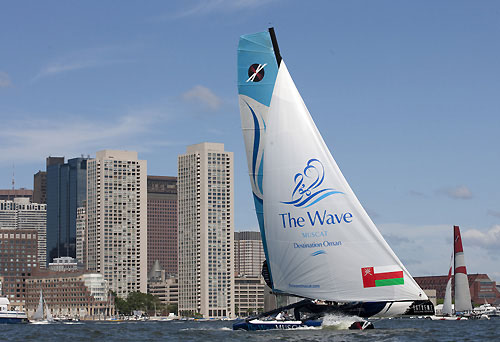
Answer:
(448, 318)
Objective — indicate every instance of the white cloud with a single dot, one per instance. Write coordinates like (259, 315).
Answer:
(205, 7)
(494, 213)
(426, 249)
(59, 67)
(4, 80)
(488, 239)
(458, 192)
(30, 140)
(415, 193)
(83, 59)
(203, 96)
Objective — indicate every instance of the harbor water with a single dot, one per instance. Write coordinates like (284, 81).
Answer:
(411, 330)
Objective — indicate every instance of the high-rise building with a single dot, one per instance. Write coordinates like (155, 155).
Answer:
(249, 283)
(206, 258)
(81, 232)
(23, 215)
(66, 191)
(40, 187)
(10, 194)
(18, 260)
(116, 220)
(162, 222)
(248, 254)
(40, 180)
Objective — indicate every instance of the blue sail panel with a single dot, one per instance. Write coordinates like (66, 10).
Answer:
(257, 72)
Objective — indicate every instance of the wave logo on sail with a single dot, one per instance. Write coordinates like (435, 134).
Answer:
(318, 253)
(307, 189)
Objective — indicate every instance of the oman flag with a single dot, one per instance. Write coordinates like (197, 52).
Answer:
(382, 276)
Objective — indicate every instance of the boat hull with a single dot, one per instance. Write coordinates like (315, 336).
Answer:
(13, 320)
(256, 324)
(448, 318)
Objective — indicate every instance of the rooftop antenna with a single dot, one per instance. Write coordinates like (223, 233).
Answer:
(13, 181)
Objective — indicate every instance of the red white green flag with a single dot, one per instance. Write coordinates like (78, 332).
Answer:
(382, 276)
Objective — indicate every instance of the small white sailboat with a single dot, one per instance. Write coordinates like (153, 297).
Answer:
(447, 313)
(42, 314)
(319, 242)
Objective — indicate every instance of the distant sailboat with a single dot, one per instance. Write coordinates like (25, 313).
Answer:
(463, 305)
(42, 314)
(319, 242)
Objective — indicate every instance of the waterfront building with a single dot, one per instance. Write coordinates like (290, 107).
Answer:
(66, 191)
(481, 287)
(163, 285)
(64, 264)
(162, 222)
(10, 194)
(248, 254)
(22, 214)
(116, 220)
(18, 260)
(70, 294)
(249, 283)
(249, 295)
(206, 257)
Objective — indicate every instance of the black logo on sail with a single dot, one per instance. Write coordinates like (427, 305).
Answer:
(256, 72)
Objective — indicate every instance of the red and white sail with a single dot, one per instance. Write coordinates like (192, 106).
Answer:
(462, 291)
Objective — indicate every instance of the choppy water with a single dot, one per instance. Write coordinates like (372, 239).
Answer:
(411, 330)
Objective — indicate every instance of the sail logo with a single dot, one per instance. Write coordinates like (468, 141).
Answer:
(256, 72)
(307, 190)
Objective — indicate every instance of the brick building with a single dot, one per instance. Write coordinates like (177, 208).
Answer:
(162, 222)
(18, 260)
(71, 294)
(482, 288)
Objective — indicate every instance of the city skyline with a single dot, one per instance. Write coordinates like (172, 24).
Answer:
(404, 95)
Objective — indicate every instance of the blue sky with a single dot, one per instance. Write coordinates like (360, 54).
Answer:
(405, 94)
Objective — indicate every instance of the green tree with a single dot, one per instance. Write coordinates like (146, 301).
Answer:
(172, 307)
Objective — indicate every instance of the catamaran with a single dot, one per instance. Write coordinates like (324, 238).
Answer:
(463, 305)
(319, 242)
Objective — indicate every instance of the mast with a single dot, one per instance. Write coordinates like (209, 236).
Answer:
(275, 45)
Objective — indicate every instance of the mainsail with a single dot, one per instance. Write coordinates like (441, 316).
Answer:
(42, 312)
(319, 241)
(462, 291)
(38, 315)
(447, 307)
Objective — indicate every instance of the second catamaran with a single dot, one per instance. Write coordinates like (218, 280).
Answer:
(319, 242)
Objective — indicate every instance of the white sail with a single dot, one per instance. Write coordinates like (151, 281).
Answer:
(447, 307)
(42, 312)
(462, 292)
(48, 314)
(320, 241)
(38, 315)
